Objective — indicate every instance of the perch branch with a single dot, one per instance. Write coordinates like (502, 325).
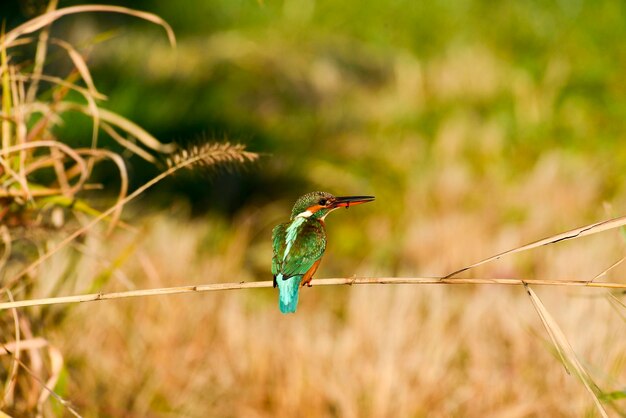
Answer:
(319, 282)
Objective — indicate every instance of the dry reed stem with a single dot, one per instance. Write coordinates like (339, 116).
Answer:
(119, 121)
(563, 236)
(611, 267)
(119, 162)
(318, 282)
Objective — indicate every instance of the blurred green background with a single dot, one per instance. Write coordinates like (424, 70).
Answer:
(353, 96)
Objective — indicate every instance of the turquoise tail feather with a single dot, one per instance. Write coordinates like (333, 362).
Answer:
(288, 291)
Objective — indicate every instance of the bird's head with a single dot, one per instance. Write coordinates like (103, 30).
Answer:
(319, 204)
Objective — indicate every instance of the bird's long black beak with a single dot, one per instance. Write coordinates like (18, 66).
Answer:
(347, 201)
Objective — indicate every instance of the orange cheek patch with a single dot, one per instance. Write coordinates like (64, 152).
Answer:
(314, 208)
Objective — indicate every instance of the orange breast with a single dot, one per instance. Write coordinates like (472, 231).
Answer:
(309, 274)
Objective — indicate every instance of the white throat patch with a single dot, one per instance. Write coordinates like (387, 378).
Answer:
(304, 214)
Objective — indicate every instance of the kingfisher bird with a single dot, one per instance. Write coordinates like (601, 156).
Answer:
(300, 243)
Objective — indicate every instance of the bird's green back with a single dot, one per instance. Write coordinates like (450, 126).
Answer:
(297, 246)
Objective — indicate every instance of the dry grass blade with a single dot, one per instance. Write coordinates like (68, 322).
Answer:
(565, 350)
(89, 95)
(59, 171)
(48, 116)
(609, 268)
(83, 70)
(617, 305)
(47, 18)
(81, 66)
(20, 42)
(91, 297)
(119, 162)
(6, 92)
(572, 234)
(128, 144)
(40, 55)
(545, 320)
(6, 242)
(122, 123)
(19, 117)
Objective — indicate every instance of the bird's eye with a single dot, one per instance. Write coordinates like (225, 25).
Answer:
(323, 202)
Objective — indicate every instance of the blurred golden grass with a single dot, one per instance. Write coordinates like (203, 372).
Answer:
(397, 351)
(566, 353)
(390, 351)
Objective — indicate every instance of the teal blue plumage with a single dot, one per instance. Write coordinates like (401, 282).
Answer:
(298, 244)
(288, 293)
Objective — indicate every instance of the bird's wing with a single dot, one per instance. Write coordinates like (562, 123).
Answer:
(279, 235)
(308, 247)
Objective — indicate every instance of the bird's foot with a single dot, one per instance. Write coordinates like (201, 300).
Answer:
(307, 284)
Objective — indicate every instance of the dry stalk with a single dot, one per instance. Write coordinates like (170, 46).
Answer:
(571, 234)
(318, 282)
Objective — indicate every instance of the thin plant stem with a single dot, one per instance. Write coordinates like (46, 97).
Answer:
(318, 282)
